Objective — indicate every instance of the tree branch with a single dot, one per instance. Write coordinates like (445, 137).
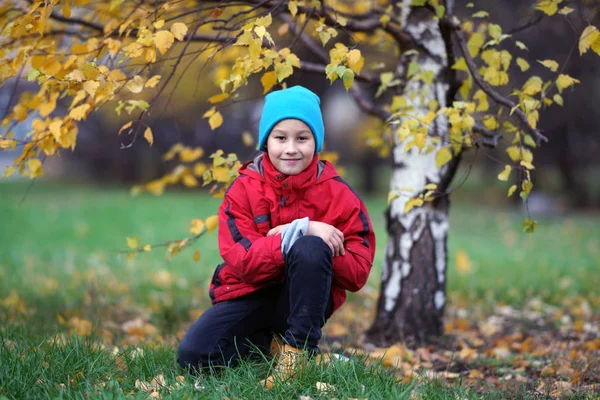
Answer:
(488, 138)
(498, 98)
(531, 23)
(363, 101)
(320, 52)
(199, 37)
(367, 105)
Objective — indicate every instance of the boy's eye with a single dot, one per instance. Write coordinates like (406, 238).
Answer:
(280, 137)
(302, 138)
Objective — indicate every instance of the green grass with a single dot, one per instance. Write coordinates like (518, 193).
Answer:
(59, 259)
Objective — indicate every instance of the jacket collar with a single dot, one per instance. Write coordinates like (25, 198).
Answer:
(262, 168)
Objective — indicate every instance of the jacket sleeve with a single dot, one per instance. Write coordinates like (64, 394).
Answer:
(351, 270)
(253, 258)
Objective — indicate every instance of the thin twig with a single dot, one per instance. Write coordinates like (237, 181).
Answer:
(486, 87)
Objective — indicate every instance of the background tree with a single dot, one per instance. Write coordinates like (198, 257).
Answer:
(440, 85)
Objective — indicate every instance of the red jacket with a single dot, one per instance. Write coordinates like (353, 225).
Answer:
(260, 199)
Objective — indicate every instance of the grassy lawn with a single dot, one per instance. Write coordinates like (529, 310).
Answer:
(79, 319)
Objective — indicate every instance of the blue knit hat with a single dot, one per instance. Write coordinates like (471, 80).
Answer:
(294, 103)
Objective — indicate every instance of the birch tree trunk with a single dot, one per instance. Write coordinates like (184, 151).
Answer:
(413, 283)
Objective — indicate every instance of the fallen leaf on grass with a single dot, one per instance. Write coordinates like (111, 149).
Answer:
(324, 387)
(475, 374)
(152, 387)
(441, 375)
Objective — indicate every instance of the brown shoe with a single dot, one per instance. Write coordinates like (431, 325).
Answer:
(289, 363)
(276, 346)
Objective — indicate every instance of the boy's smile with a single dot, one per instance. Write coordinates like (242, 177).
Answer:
(291, 146)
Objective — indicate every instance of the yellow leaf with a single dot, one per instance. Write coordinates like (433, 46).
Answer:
(503, 176)
(150, 55)
(460, 65)
(558, 99)
(566, 10)
(264, 21)
(196, 255)
(475, 42)
(66, 7)
(199, 169)
(564, 81)
(523, 64)
(533, 85)
(135, 85)
(442, 157)
(589, 35)
(148, 136)
(463, 262)
(384, 19)
(483, 102)
(152, 82)
(283, 71)
(527, 165)
(78, 97)
(190, 181)
(9, 171)
(348, 79)
(218, 98)
(127, 125)
(550, 7)
(80, 112)
(410, 204)
(196, 226)
(133, 242)
(421, 140)
(159, 24)
(392, 195)
(55, 127)
(512, 190)
(247, 139)
(529, 225)
(260, 31)
(90, 87)
(147, 247)
(514, 152)
(293, 7)
(550, 64)
(75, 75)
(215, 121)
(521, 45)
(81, 327)
(163, 40)
(190, 155)
(179, 30)
(495, 31)
(220, 174)
(210, 112)
(211, 223)
(47, 108)
(35, 168)
(268, 80)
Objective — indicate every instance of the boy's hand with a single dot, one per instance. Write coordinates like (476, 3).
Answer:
(277, 230)
(333, 237)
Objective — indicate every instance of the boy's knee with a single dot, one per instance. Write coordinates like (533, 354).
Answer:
(311, 250)
(198, 356)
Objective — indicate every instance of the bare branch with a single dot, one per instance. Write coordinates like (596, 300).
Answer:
(196, 37)
(367, 105)
(488, 138)
(531, 23)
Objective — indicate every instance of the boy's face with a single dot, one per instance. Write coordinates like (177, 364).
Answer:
(291, 146)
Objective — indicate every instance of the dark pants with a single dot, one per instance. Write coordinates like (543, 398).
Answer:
(244, 327)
